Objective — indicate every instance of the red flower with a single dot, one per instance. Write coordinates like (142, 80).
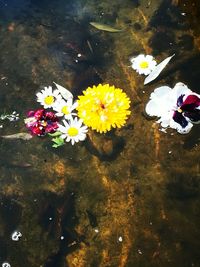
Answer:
(41, 122)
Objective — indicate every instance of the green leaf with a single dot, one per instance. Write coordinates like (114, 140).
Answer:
(55, 134)
(55, 146)
(104, 27)
(58, 141)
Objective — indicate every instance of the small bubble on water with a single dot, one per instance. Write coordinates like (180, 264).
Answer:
(16, 235)
(6, 264)
(120, 239)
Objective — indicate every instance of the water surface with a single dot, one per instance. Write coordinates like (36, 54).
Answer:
(128, 198)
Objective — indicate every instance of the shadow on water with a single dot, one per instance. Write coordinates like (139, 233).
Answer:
(183, 186)
(58, 217)
(10, 212)
(108, 150)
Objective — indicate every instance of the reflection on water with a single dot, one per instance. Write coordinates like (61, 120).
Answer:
(126, 198)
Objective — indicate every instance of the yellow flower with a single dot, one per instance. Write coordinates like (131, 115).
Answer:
(103, 107)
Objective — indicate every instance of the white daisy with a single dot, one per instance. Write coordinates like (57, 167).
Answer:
(48, 97)
(73, 131)
(65, 108)
(143, 64)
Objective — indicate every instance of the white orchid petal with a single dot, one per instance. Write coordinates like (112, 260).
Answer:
(154, 74)
(66, 94)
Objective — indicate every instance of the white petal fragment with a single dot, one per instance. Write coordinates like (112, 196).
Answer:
(66, 94)
(154, 74)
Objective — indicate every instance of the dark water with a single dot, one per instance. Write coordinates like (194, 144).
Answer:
(129, 198)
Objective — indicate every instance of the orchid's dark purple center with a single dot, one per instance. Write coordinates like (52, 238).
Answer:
(187, 110)
(180, 100)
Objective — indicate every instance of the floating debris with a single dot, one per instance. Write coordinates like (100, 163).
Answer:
(90, 46)
(16, 235)
(154, 74)
(23, 136)
(14, 116)
(104, 27)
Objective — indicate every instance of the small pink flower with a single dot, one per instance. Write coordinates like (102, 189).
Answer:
(41, 122)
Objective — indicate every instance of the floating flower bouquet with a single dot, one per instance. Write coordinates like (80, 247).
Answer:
(101, 107)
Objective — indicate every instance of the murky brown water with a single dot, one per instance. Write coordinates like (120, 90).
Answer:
(128, 198)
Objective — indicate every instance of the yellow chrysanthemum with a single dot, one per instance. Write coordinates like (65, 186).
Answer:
(102, 107)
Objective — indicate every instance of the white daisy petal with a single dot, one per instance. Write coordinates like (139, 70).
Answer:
(66, 124)
(63, 136)
(72, 141)
(73, 130)
(61, 128)
(65, 108)
(59, 114)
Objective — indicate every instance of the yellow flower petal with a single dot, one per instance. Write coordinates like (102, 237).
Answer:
(103, 107)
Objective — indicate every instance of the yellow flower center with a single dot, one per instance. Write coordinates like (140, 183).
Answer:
(179, 110)
(144, 64)
(72, 131)
(49, 100)
(65, 110)
(43, 123)
(102, 106)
